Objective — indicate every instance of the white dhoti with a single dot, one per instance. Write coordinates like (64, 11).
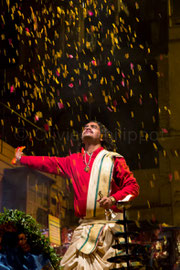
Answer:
(96, 260)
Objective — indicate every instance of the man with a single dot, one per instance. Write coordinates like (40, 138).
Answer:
(100, 178)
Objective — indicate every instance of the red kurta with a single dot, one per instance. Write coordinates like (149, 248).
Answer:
(123, 182)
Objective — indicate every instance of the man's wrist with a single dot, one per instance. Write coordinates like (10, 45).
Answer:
(18, 159)
(113, 200)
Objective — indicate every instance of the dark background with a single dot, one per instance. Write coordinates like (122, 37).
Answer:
(125, 101)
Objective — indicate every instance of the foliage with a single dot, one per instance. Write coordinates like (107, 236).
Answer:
(15, 220)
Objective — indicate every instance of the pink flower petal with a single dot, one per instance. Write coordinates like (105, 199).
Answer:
(94, 62)
(90, 13)
(164, 130)
(109, 109)
(85, 99)
(36, 118)
(71, 85)
(57, 73)
(12, 89)
(60, 105)
(131, 66)
(123, 84)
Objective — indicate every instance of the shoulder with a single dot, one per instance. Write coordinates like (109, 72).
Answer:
(75, 156)
(119, 160)
(114, 154)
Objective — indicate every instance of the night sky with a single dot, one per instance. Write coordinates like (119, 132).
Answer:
(64, 63)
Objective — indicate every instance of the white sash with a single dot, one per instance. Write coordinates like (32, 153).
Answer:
(100, 181)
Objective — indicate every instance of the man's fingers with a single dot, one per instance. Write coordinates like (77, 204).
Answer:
(104, 199)
(105, 202)
(102, 203)
(18, 154)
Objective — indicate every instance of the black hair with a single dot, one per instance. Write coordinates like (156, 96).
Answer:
(107, 139)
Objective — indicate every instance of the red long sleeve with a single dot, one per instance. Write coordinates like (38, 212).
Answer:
(53, 165)
(123, 182)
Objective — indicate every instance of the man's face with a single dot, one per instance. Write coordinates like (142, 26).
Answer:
(91, 131)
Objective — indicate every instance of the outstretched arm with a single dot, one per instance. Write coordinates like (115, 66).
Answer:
(54, 165)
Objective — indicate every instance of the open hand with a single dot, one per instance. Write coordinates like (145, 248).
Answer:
(18, 154)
